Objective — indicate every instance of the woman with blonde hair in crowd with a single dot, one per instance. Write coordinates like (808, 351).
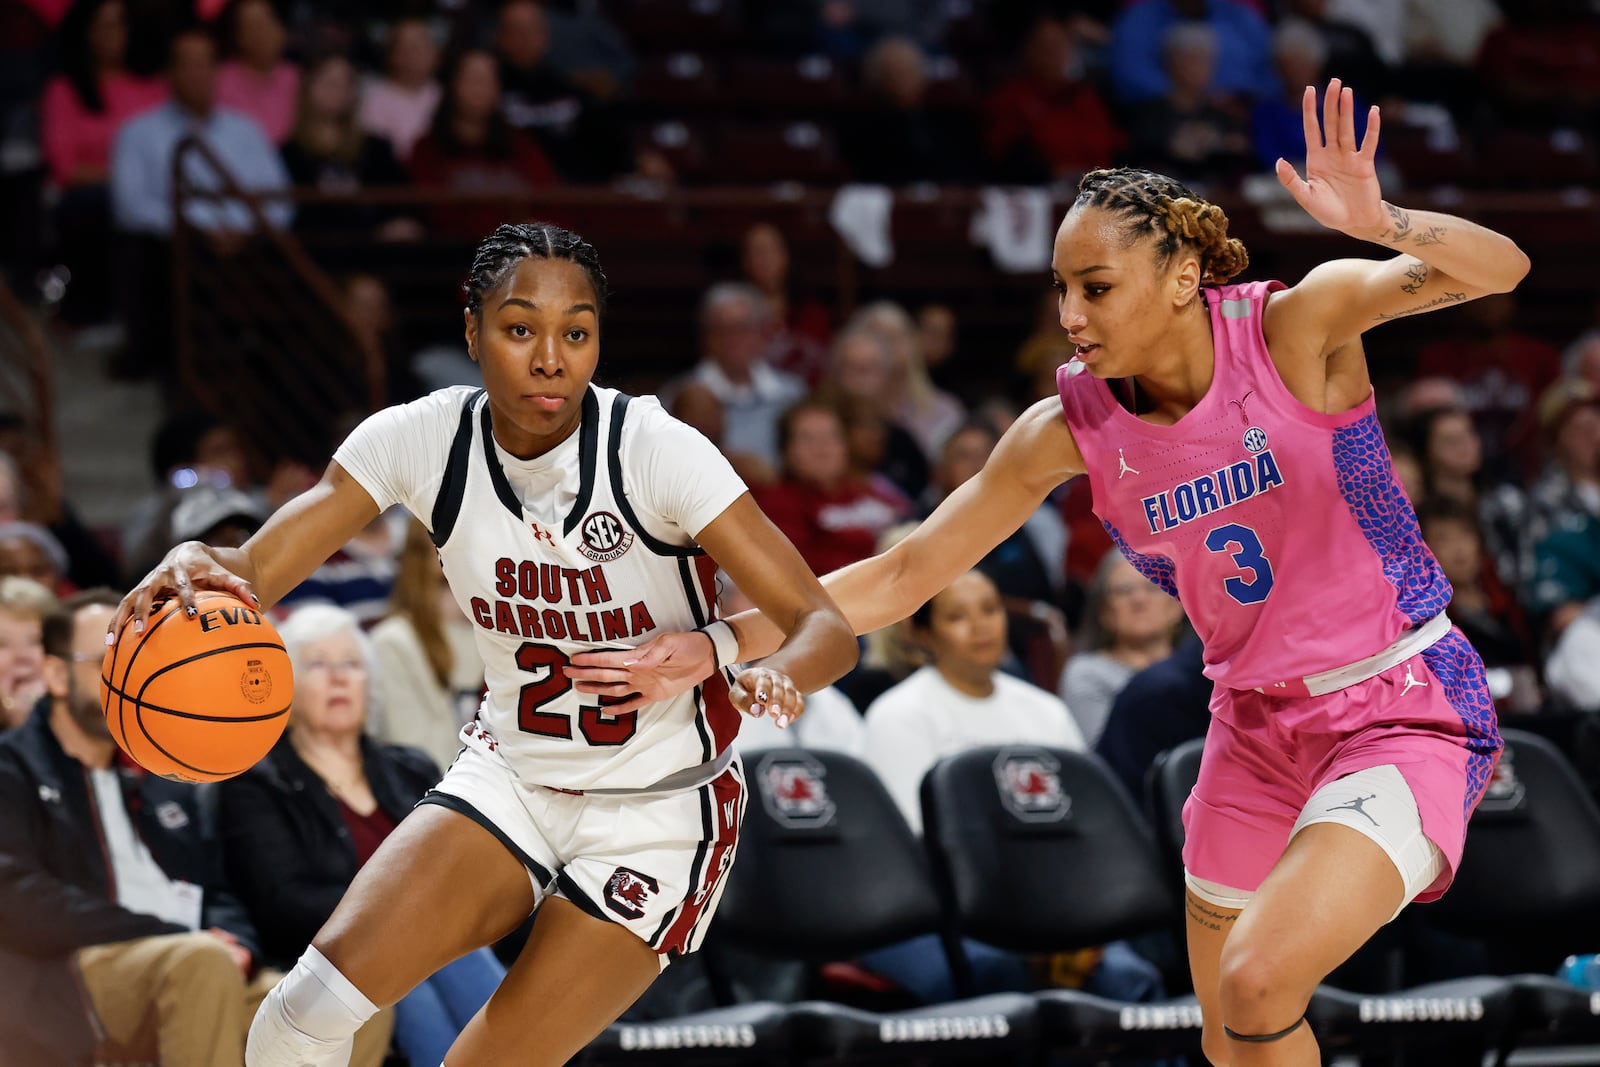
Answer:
(429, 672)
(23, 605)
(927, 412)
(1128, 624)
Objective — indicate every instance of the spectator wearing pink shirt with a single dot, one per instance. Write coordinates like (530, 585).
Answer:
(85, 103)
(399, 106)
(82, 108)
(257, 80)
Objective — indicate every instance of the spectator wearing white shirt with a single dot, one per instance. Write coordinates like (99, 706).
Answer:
(961, 700)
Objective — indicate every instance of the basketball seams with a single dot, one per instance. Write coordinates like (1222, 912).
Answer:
(195, 715)
(138, 717)
(116, 676)
(127, 669)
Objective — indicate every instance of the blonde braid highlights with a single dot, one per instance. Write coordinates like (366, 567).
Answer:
(1154, 205)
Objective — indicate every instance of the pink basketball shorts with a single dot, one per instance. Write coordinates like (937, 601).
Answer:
(1430, 716)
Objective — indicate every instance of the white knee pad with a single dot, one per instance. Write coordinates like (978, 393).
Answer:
(309, 1019)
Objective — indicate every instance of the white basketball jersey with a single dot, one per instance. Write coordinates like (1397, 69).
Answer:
(569, 564)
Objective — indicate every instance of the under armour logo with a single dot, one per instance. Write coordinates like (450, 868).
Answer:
(1356, 806)
(1243, 416)
(1411, 682)
(541, 534)
(1122, 466)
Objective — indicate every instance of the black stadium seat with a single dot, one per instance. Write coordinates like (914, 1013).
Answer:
(1529, 885)
(828, 869)
(1170, 781)
(1041, 850)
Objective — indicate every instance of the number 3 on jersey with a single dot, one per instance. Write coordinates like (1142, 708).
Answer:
(598, 728)
(1244, 546)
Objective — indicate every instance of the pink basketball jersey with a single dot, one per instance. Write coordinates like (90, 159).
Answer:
(1283, 531)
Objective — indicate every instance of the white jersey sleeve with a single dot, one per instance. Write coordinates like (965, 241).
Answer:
(677, 479)
(398, 455)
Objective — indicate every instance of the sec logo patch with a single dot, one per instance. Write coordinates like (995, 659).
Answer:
(604, 537)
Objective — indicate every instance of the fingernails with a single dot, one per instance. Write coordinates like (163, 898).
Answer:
(758, 710)
(760, 696)
(190, 611)
(138, 626)
(111, 638)
(783, 722)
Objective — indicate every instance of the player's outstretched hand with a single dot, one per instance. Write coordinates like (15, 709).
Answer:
(1340, 189)
(659, 669)
(187, 567)
(759, 691)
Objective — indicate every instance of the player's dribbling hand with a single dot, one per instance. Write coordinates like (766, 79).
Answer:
(659, 669)
(186, 568)
(759, 691)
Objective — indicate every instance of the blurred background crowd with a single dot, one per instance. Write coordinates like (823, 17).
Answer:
(243, 225)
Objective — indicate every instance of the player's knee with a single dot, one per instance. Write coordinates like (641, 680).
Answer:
(1260, 991)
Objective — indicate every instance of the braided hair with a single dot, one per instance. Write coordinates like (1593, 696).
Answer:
(1158, 206)
(512, 242)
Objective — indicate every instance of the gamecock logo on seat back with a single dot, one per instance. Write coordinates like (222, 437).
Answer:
(1029, 780)
(793, 790)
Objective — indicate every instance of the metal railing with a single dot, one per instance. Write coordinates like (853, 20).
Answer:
(260, 332)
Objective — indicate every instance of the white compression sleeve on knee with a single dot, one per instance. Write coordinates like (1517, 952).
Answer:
(324, 1003)
(309, 1019)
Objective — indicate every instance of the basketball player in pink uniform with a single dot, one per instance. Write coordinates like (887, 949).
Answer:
(1229, 435)
(567, 516)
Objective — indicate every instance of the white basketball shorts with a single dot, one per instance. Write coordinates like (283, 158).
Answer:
(653, 862)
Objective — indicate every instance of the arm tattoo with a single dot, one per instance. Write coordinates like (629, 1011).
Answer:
(1402, 223)
(1206, 916)
(1418, 273)
(1433, 235)
(1440, 301)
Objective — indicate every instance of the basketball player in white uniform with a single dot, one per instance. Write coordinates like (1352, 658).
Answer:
(568, 518)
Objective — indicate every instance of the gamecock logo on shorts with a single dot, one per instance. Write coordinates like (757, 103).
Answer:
(1029, 780)
(628, 892)
(604, 537)
(793, 791)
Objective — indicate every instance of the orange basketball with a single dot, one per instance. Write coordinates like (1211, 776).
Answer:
(201, 699)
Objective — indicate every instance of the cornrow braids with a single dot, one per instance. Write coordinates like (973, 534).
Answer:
(1154, 205)
(512, 242)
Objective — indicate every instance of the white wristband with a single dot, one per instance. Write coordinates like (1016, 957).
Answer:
(724, 642)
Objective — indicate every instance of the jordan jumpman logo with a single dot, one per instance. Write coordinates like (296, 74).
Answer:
(1356, 805)
(1411, 682)
(1123, 468)
(1243, 416)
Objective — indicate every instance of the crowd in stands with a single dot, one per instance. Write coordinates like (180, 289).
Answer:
(845, 425)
